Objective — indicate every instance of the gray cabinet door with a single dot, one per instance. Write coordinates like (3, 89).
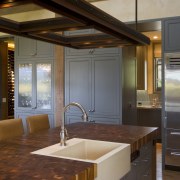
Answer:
(25, 47)
(44, 49)
(29, 48)
(78, 83)
(171, 29)
(105, 86)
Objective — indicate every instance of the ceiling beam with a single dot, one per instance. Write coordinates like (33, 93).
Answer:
(83, 11)
(53, 24)
(79, 14)
(9, 26)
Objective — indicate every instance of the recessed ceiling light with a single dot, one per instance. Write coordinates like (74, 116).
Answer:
(155, 37)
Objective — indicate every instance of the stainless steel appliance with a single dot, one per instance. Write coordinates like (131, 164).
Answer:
(172, 111)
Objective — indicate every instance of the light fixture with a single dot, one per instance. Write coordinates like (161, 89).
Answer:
(155, 37)
(11, 45)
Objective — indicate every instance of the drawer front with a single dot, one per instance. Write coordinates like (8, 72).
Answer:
(172, 157)
(173, 120)
(173, 138)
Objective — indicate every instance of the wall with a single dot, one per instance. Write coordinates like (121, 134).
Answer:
(124, 10)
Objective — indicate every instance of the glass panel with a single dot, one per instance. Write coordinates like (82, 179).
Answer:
(44, 86)
(25, 85)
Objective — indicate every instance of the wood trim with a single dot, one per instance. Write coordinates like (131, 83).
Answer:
(59, 84)
(4, 81)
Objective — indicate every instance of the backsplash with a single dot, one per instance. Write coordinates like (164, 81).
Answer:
(145, 99)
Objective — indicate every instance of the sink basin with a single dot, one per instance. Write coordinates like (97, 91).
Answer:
(112, 159)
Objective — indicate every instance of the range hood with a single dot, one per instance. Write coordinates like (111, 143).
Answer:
(72, 15)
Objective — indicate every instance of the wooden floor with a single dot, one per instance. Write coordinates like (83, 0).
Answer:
(165, 175)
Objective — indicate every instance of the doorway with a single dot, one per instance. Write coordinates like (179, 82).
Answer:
(7, 78)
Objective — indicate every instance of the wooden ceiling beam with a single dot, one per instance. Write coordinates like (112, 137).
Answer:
(78, 14)
(53, 24)
(9, 26)
(83, 11)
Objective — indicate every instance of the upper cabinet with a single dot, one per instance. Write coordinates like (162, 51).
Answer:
(171, 29)
(27, 48)
(88, 52)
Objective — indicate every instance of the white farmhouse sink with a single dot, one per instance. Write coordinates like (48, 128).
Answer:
(112, 159)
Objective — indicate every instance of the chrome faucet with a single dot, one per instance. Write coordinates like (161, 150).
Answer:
(63, 132)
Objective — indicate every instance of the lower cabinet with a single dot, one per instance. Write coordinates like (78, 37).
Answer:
(73, 119)
(23, 116)
(150, 117)
(141, 168)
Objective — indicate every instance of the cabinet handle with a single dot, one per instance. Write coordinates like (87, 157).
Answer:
(34, 107)
(92, 51)
(92, 110)
(175, 153)
(175, 133)
(92, 121)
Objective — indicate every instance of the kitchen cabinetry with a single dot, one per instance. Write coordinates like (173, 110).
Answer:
(171, 36)
(33, 83)
(94, 83)
(29, 48)
(150, 117)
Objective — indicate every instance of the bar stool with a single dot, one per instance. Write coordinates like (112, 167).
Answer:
(37, 123)
(10, 128)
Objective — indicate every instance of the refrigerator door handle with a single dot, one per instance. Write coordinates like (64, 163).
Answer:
(175, 153)
(175, 133)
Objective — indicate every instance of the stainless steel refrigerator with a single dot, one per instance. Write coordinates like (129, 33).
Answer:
(172, 110)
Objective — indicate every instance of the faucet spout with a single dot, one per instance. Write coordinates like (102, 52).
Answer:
(63, 132)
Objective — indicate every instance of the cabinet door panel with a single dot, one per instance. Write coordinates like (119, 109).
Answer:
(43, 84)
(25, 47)
(44, 49)
(171, 34)
(25, 88)
(106, 86)
(72, 119)
(78, 83)
(105, 120)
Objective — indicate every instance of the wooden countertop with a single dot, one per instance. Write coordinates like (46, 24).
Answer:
(16, 162)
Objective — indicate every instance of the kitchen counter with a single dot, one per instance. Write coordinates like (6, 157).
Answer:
(16, 162)
(149, 107)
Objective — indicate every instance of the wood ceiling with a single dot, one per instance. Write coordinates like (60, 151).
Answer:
(74, 15)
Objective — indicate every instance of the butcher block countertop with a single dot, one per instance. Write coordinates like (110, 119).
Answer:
(16, 162)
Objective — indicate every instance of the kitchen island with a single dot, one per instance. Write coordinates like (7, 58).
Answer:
(16, 162)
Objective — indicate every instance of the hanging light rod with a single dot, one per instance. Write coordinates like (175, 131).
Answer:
(78, 14)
